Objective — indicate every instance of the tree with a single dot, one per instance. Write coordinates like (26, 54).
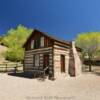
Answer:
(14, 39)
(90, 44)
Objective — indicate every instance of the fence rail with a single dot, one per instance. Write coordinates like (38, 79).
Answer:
(11, 67)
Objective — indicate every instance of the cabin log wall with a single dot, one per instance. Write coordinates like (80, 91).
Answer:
(52, 46)
(58, 51)
(29, 58)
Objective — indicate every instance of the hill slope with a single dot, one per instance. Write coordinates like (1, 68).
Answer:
(3, 49)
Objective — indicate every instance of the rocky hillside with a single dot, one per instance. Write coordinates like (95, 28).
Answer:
(3, 49)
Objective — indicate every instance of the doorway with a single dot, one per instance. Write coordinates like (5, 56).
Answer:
(62, 63)
(46, 62)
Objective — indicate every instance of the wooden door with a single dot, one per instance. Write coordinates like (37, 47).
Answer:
(62, 63)
(46, 60)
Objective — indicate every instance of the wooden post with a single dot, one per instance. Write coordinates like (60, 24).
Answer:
(6, 68)
(16, 68)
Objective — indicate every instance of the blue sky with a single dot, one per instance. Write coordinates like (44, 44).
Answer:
(64, 19)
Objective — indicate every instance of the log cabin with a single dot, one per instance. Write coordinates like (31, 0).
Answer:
(44, 52)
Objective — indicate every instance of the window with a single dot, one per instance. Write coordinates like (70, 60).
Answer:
(37, 43)
(36, 60)
(42, 41)
(32, 44)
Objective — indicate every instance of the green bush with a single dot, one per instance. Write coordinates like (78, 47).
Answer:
(14, 40)
(15, 55)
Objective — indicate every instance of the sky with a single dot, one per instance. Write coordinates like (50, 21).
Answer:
(64, 19)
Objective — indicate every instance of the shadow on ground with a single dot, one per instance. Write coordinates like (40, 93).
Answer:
(27, 75)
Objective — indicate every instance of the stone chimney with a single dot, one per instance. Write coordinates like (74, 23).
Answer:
(77, 60)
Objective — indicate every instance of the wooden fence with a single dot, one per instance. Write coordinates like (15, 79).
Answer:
(11, 67)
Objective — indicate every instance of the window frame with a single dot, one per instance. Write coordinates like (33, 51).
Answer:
(42, 41)
(37, 43)
(36, 60)
(32, 44)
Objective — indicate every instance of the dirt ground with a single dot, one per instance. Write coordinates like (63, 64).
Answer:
(84, 87)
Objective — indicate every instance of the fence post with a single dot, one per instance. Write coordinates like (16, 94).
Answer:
(6, 68)
(16, 68)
